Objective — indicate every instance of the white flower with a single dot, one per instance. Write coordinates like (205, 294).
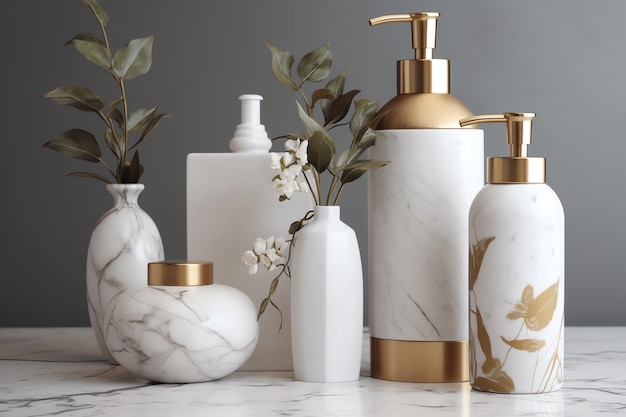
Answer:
(281, 245)
(292, 145)
(269, 252)
(251, 260)
(298, 148)
(286, 181)
(266, 262)
(288, 159)
(275, 161)
(301, 153)
(259, 246)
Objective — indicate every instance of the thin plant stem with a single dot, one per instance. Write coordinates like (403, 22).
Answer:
(316, 177)
(125, 132)
(284, 270)
(309, 109)
(338, 194)
(315, 199)
(332, 187)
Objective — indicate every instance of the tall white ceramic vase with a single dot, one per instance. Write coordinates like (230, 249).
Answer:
(326, 300)
(123, 242)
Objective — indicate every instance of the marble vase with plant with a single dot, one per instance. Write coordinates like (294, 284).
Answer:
(125, 238)
(321, 258)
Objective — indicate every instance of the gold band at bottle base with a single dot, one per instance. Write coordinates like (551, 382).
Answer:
(417, 361)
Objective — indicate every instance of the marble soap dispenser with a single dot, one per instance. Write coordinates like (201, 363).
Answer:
(181, 327)
(517, 266)
(418, 207)
(231, 202)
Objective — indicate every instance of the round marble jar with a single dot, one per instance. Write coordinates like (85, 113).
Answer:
(181, 327)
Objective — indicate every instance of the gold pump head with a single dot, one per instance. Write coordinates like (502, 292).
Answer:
(518, 168)
(422, 74)
(423, 28)
(424, 100)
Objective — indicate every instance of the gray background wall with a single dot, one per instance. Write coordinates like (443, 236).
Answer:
(557, 58)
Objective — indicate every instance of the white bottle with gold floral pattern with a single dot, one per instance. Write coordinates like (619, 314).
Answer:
(517, 253)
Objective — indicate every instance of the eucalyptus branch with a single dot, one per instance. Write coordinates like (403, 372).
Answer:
(130, 61)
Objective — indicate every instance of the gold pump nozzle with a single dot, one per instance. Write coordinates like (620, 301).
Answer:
(423, 29)
(424, 100)
(518, 167)
(422, 74)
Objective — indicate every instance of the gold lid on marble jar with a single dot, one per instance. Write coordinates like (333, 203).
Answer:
(424, 100)
(180, 273)
(518, 167)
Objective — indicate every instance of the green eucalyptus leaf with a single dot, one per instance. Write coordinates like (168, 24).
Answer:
(101, 15)
(76, 143)
(78, 97)
(85, 36)
(262, 308)
(364, 112)
(346, 158)
(274, 285)
(115, 102)
(367, 139)
(340, 107)
(335, 86)
(310, 124)
(322, 93)
(89, 175)
(94, 52)
(150, 127)
(358, 138)
(134, 58)
(140, 118)
(295, 227)
(116, 116)
(131, 172)
(320, 151)
(356, 170)
(111, 140)
(282, 62)
(315, 66)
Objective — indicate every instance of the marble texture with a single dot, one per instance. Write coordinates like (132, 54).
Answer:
(181, 334)
(418, 207)
(123, 242)
(517, 283)
(60, 371)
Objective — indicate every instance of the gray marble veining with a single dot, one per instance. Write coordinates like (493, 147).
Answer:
(61, 372)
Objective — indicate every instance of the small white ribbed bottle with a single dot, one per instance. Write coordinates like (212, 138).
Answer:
(516, 277)
(231, 202)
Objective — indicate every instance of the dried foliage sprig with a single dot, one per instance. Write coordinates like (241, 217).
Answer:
(130, 61)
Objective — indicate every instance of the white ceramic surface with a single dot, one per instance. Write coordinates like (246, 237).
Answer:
(123, 242)
(181, 334)
(516, 298)
(418, 207)
(59, 371)
(326, 300)
(231, 202)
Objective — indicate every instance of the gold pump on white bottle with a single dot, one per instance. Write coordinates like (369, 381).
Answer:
(418, 207)
(516, 270)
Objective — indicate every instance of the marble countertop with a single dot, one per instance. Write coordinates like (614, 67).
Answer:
(60, 371)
